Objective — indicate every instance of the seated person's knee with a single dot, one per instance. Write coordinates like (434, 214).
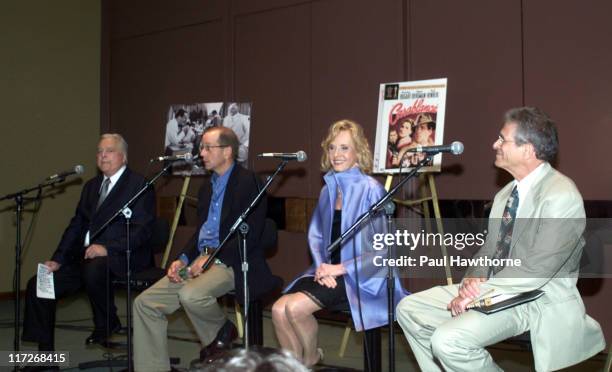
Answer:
(278, 308)
(294, 309)
(440, 342)
(188, 295)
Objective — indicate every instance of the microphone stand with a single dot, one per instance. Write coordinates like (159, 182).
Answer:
(389, 209)
(375, 208)
(241, 221)
(19, 201)
(126, 211)
(243, 230)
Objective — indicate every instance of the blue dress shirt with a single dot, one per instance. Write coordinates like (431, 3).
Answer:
(209, 232)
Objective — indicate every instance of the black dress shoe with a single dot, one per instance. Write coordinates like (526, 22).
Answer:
(223, 342)
(99, 336)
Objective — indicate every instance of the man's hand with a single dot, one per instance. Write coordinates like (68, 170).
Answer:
(196, 266)
(173, 271)
(95, 250)
(458, 304)
(468, 291)
(470, 287)
(52, 265)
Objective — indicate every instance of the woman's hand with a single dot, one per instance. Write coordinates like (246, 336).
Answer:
(326, 274)
(328, 281)
(329, 270)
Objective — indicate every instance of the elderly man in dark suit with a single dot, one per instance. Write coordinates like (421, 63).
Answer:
(221, 201)
(83, 260)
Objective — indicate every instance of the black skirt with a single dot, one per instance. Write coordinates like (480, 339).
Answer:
(328, 298)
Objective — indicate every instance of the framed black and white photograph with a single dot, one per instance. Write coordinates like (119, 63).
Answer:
(185, 124)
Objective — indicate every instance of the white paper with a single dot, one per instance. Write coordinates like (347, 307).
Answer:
(44, 283)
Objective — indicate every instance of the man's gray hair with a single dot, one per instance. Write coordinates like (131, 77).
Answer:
(536, 128)
(123, 146)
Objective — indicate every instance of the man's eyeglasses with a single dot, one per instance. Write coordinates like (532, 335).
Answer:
(208, 147)
(502, 140)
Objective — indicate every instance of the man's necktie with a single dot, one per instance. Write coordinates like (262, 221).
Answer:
(505, 231)
(103, 192)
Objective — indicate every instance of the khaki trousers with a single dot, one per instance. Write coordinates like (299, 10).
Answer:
(197, 296)
(457, 344)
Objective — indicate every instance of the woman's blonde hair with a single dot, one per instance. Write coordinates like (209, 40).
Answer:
(362, 148)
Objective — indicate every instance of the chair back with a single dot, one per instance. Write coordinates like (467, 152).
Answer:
(269, 236)
(160, 235)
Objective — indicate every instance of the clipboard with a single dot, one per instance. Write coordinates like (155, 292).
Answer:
(519, 299)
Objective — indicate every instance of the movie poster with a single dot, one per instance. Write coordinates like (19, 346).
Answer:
(185, 124)
(410, 114)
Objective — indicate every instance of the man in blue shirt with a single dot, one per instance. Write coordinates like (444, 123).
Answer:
(220, 201)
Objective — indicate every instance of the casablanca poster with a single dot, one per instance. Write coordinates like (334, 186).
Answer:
(410, 114)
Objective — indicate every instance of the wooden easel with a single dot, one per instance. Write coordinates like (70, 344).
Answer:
(175, 220)
(426, 179)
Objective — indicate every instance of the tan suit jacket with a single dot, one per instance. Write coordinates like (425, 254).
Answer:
(547, 238)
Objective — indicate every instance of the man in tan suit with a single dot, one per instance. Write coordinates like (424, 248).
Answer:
(538, 219)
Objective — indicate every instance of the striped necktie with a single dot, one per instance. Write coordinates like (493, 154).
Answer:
(505, 231)
(103, 192)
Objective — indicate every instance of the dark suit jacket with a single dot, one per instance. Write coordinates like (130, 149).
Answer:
(240, 191)
(113, 237)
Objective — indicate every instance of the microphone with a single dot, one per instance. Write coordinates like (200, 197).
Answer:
(389, 208)
(78, 169)
(454, 148)
(188, 157)
(299, 156)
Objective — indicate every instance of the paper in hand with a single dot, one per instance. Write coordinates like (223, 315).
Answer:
(44, 283)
